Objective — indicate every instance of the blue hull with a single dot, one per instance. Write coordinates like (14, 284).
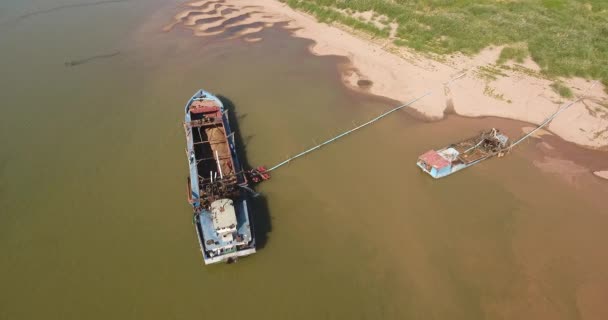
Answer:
(443, 162)
(442, 173)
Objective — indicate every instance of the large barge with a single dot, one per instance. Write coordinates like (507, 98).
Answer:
(217, 182)
(453, 158)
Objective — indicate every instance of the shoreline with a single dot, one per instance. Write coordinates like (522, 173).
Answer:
(602, 174)
(516, 91)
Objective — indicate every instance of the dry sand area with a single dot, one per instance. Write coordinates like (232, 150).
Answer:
(518, 92)
(602, 174)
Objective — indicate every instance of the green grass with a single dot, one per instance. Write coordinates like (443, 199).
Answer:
(490, 73)
(491, 92)
(565, 37)
(561, 89)
(515, 53)
(328, 14)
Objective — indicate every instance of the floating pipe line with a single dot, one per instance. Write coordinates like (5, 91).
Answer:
(551, 117)
(361, 126)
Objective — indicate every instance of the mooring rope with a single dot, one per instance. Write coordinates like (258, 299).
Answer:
(363, 125)
(551, 117)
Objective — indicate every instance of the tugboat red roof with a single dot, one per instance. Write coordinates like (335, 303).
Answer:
(434, 159)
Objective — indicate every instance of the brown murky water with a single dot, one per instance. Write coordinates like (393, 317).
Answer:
(94, 222)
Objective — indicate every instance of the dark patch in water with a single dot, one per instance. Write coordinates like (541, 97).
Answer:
(364, 83)
(193, 13)
(73, 63)
(238, 18)
(255, 35)
(207, 20)
(69, 6)
(236, 29)
(449, 107)
(229, 22)
(215, 4)
(449, 102)
(285, 25)
(228, 11)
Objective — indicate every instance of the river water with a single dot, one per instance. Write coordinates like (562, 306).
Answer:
(94, 222)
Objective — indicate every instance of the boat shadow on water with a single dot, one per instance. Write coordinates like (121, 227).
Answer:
(262, 224)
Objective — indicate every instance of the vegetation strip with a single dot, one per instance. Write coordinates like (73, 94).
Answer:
(566, 38)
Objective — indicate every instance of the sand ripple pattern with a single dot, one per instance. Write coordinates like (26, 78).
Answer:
(216, 17)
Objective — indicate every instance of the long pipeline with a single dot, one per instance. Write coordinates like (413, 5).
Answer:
(303, 153)
(552, 116)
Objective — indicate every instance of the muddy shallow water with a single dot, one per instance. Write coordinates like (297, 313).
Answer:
(95, 224)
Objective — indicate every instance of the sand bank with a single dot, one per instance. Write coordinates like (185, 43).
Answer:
(514, 91)
(538, 134)
(602, 174)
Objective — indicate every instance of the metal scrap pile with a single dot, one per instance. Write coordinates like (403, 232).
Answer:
(493, 141)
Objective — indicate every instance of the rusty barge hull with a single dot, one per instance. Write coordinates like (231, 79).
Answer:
(216, 183)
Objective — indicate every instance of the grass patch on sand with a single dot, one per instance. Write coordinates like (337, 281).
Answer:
(561, 89)
(565, 37)
(490, 73)
(491, 92)
(328, 14)
(514, 53)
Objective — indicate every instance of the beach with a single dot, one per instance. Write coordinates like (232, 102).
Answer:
(476, 85)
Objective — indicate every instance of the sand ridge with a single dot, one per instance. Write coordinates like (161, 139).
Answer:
(209, 18)
(514, 91)
(602, 174)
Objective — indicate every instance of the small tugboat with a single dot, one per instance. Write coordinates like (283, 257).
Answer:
(443, 162)
(217, 183)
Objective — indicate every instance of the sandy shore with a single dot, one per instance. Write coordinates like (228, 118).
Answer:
(519, 92)
(602, 174)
